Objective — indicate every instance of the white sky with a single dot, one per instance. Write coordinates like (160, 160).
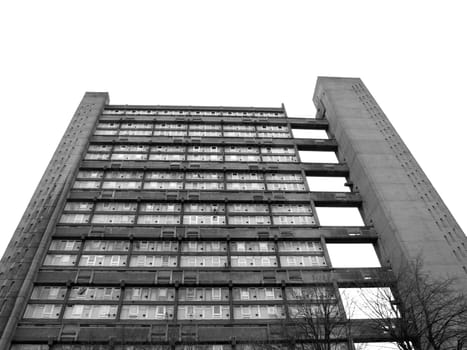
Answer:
(410, 54)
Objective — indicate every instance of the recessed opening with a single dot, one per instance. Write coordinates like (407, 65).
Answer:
(318, 157)
(376, 346)
(327, 184)
(345, 255)
(310, 134)
(368, 303)
(336, 216)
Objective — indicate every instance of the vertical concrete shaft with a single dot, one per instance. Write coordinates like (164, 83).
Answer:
(398, 198)
(28, 246)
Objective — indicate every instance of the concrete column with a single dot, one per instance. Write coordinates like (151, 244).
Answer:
(30, 241)
(398, 198)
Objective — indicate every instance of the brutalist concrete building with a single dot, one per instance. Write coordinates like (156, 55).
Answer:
(182, 227)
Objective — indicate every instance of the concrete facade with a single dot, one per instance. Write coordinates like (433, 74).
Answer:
(128, 178)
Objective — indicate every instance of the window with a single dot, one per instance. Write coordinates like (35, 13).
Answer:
(209, 186)
(303, 261)
(158, 219)
(263, 247)
(311, 293)
(160, 207)
(113, 219)
(205, 133)
(122, 185)
(90, 312)
(253, 246)
(278, 150)
(245, 312)
(252, 261)
(149, 294)
(244, 294)
(136, 126)
(97, 156)
(241, 150)
(94, 293)
(153, 261)
(203, 220)
(151, 246)
(240, 246)
(201, 207)
(216, 294)
(78, 206)
(258, 312)
(247, 208)
(65, 245)
(169, 185)
(169, 133)
(190, 294)
(249, 220)
(90, 174)
(164, 175)
(238, 127)
(216, 311)
(97, 245)
(74, 219)
(147, 312)
(269, 293)
(200, 312)
(300, 246)
(131, 148)
(204, 176)
(205, 261)
(193, 246)
(103, 260)
(280, 159)
(245, 186)
(105, 132)
(284, 177)
(239, 134)
(277, 186)
(278, 128)
(291, 208)
(274, 134)
(129, 156)
(42, 311)
(167, 149)
(115, 206)
(123, 175)
(232, 176)
(48, 293)
(205, 127)
(60, 260)
(293, 220)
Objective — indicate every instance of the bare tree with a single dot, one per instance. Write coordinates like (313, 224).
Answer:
(420, 312)
(316, 322)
